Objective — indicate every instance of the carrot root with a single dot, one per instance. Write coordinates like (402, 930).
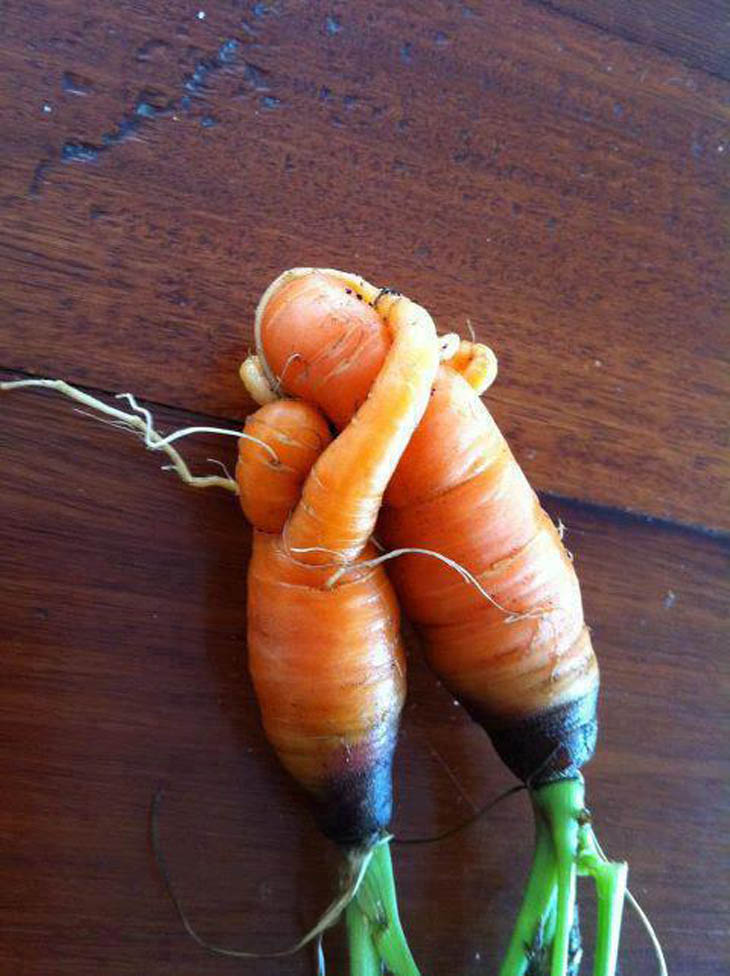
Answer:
(256, 382)
(655, 943)
(140, 423)
(511, 616)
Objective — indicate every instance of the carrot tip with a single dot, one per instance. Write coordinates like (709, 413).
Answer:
(355, 802)
(554, 745)
(356, 283)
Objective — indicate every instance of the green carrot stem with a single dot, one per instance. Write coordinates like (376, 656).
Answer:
(376, 900)
(610, 878)
(565, 847)
(546, 917)
(549, 921)
(540, 956)
(564, 913)
(536, 904)
(364, 958)
(575, 954)
(561, 804)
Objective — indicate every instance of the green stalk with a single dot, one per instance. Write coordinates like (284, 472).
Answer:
(575, 953)
(565, 847)
(564, 913)
(377, 903)
(562, 805)
(557, 808)
(610, 878)
(536, 904)
(539, 954)
(364, 958)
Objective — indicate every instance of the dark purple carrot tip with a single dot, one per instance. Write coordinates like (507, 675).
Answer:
(551, 746)
(355, 802)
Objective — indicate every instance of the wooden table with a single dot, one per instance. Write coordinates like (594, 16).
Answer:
(555, 173)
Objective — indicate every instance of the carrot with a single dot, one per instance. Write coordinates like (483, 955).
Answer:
(326, 661)
(328, 670)
(513, 647)
(319, 661)
(326, 658)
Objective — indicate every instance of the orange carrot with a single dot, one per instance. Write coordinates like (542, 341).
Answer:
(270, 483)
(325, 656)
(326, 661)
(514, 648)
(458, 491)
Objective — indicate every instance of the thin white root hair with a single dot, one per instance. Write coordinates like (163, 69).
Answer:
(294, 551)
(279, 384)
(149, 429)
(656, 944)
(357, 866)
(155, 442)
(511, 616)
(222, 466)
(115, 424)
(336, 560)
(135, 424)
(470, 329)
(335, 910)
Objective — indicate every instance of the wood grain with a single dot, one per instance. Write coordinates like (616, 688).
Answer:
(562, 188)
(697, 32)
(124, 668)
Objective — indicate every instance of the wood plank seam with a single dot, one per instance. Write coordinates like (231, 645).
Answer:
(626, 515)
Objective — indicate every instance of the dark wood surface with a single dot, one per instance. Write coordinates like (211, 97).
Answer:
(556, 173)
(697, 33)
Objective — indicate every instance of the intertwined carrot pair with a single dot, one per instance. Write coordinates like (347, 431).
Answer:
(482, 572)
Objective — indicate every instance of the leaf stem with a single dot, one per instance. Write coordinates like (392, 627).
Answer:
(562, 804)
(610, 891)
(364, 958)
(565, 846)
(376, 900)
(536, 905)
